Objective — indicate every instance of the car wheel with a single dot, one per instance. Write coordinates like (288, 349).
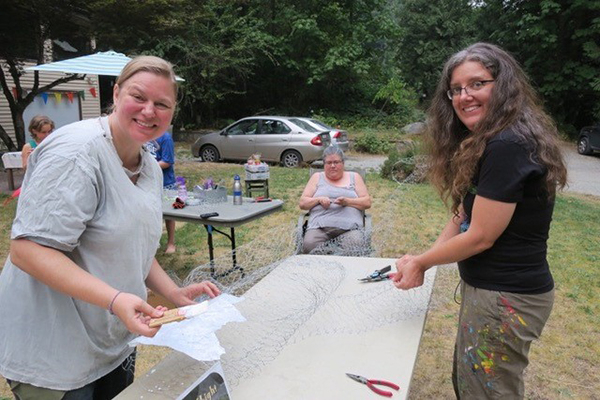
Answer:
(209, 154)
(291, 159)
(583, 146)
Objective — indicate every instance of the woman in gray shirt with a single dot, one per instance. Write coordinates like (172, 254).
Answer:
(336, 199)
(88, 224)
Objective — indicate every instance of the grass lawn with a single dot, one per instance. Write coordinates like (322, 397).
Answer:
(563, 363)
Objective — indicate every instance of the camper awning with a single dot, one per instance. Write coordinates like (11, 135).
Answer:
(108, 63)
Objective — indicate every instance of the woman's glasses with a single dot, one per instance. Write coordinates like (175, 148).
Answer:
(469, 89)
(336, 162)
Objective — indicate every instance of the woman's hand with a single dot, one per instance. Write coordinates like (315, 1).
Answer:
(325, 202)
(185, 296)
(342, 201)
(410, 273)
(136, 314)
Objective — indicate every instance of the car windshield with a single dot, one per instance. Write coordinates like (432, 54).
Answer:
(319, 123)
(304, 125)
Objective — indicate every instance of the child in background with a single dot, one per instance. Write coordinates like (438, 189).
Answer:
(164, 153)
(39, 128)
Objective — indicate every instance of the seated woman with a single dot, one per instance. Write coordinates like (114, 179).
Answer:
(39, 128)
(336, 199)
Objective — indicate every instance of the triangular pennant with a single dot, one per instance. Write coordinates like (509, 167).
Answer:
(58, 96)
(93, 91)
(70, 96)
(45, 97)
(82, 95)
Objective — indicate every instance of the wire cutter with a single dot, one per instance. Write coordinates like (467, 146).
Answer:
(379, 275)
(372, 382)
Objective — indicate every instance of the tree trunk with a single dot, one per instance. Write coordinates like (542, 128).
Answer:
(19, 124)
(7, 140)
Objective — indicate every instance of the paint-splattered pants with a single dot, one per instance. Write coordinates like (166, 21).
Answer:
(492, 344)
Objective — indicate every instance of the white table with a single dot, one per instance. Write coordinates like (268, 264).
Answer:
(12, 161)
(309, 322)
(230, 216)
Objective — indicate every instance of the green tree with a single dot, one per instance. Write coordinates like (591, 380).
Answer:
(431, 32)
(558, 43)
(240, 57)
(326, 54)
(213, 44)
(24, 27)
(397, 98)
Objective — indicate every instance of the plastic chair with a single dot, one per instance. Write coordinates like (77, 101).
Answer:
(303, 219)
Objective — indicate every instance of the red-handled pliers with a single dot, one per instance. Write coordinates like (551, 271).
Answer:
(372, 382)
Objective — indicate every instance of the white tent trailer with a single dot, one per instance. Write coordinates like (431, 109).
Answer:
(105, 65)
(83, 96)
(65, 103)
(108, 63)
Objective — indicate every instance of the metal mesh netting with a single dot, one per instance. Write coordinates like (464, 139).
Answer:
(308, 304)
(380, 238)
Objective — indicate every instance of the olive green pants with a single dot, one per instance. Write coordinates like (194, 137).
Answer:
(495, 332)
(104, 388)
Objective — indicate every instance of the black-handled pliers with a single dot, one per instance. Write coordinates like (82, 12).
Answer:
(379, 275)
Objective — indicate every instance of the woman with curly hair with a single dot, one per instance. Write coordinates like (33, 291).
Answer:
(495, 158)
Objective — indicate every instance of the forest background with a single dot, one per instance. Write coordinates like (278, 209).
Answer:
(353, 62)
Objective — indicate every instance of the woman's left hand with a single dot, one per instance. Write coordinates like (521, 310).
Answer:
(410, 274)
(342, 201)
(185, 296)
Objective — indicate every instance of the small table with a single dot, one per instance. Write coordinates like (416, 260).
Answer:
(230, 216)
(12, 161)
(257, 186)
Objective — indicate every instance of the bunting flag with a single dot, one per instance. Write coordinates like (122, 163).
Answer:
(70, 96)
(58, 96)
(82, 95)
(93, 91)
(45, 97)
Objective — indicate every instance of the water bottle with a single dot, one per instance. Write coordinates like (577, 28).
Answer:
(237, 191)
(181, 189)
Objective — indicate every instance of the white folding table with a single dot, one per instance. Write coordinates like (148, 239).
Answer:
(309, 322)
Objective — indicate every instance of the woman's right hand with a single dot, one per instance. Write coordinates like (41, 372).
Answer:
(136, 314)
(411, 273)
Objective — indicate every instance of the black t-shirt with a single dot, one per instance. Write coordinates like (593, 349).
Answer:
(517, 260)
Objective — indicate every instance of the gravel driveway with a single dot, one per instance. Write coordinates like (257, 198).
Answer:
(584, 171)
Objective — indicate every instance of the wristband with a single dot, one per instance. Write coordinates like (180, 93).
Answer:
(110, 306)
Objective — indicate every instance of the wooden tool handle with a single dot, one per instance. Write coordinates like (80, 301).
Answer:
(169, 316)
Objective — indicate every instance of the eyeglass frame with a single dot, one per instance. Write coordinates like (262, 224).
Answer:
(334, 162)
(450, 92)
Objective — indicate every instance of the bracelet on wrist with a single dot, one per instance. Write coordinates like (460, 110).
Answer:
(112, 302)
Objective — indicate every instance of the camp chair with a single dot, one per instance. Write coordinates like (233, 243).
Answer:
(303, 219)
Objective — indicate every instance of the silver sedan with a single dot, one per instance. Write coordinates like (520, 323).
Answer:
(338, 137)
(290, 141)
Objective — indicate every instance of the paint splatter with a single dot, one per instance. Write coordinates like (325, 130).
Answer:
(512, 311)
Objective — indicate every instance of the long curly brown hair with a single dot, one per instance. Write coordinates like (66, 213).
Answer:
(455, 151)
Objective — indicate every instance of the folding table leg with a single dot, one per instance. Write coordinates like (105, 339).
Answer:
(11, 181)
(233, 256)
(231, 237)
(211, 255)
